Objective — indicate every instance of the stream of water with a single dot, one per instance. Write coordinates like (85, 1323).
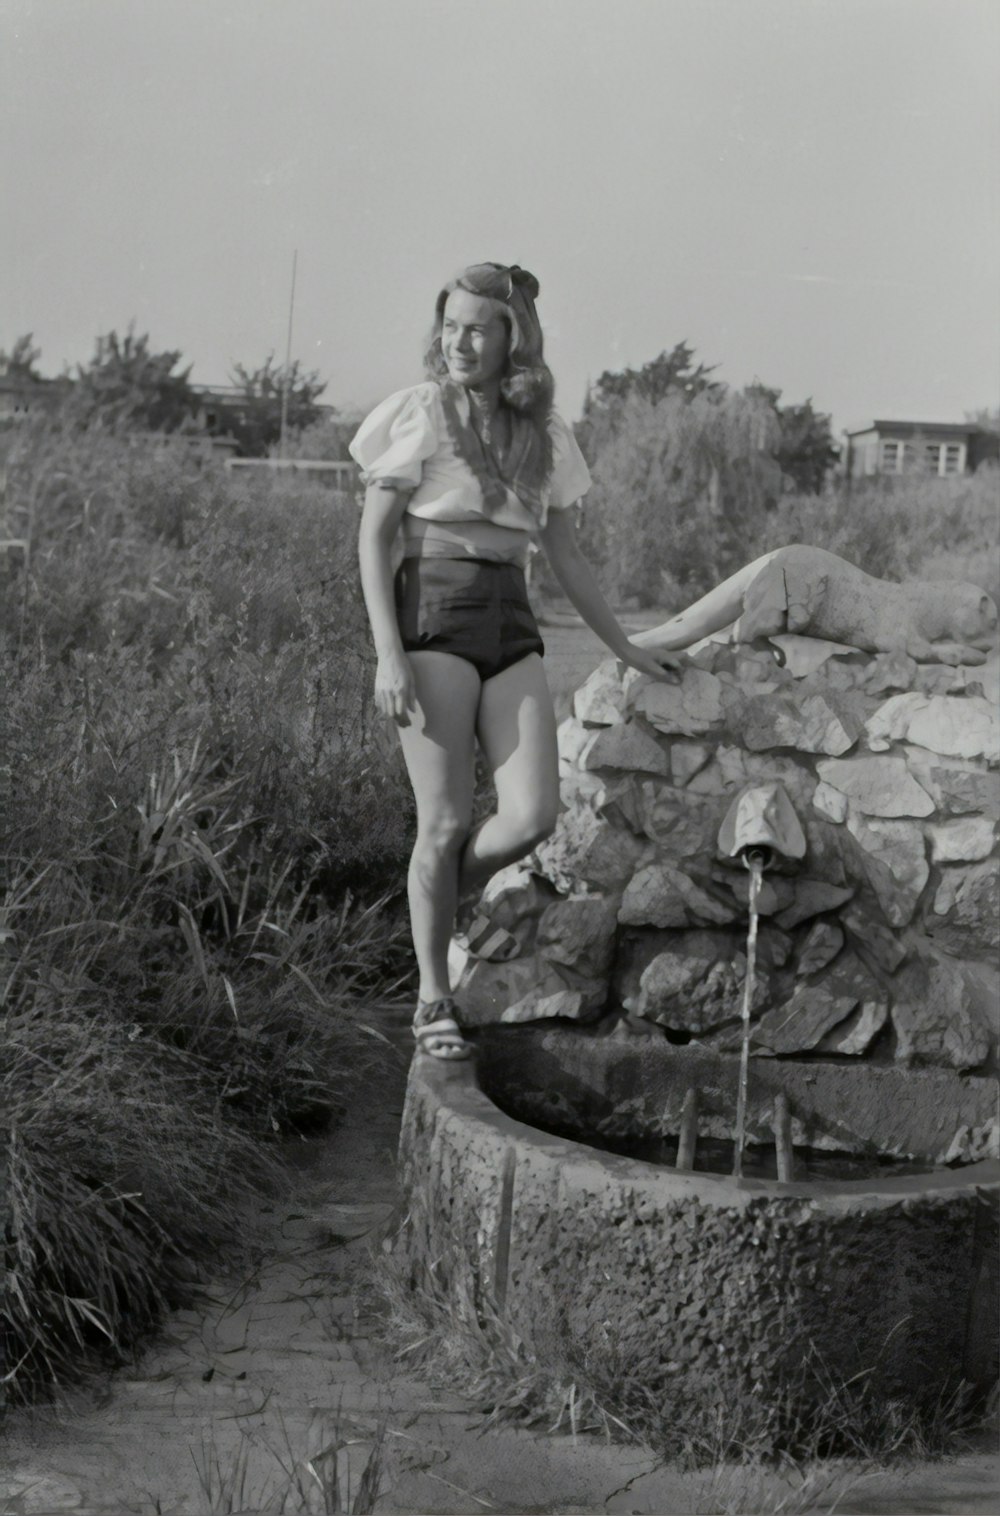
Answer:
(755, 864)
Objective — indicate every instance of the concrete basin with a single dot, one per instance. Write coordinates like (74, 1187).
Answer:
(699, 1287)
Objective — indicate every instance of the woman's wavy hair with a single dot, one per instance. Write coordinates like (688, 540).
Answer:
(527, 385)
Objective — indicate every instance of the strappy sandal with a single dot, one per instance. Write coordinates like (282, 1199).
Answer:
(437, 1032)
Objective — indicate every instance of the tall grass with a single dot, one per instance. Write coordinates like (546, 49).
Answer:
(200, 816)
(915, 527)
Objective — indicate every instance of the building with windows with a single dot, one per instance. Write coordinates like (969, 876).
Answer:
(933, 447)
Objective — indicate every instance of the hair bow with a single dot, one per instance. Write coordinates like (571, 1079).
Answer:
(521, 279)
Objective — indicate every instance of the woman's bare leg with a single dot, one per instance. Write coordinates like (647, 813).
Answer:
(517, 733)
(439, 750)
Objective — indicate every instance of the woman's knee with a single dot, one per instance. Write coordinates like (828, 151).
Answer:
(442, 835)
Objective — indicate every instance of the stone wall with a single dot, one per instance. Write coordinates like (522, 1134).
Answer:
(881, 943)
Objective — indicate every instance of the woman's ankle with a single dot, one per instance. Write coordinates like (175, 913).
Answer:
(429, 997)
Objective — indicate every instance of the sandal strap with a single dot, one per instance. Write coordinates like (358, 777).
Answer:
(434, 1012)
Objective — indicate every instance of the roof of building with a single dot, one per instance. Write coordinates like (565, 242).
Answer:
(948, 428)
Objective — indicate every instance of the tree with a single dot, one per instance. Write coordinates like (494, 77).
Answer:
(126, 382)
(254, 414)
(985, 419)
(21, 363)
(669, 373)
(672, 373)
(680, 491)
(806, 450)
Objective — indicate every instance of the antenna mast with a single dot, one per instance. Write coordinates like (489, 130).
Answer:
(288, 362)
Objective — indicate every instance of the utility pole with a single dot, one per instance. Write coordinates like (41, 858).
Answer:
(288, 362)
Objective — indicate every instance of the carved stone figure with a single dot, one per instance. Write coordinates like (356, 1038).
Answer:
(811, 592)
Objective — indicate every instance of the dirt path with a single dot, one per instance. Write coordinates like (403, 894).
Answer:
(270, 1398)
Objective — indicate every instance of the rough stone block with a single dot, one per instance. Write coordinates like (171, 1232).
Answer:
(600, 701)
(955, 726)
(625, 746)
(776, 892)
(662, 896)
(687, 759)
(638, 946)
(524, 989)
(568, 1005)
(739, 768)
(893, 858)
(855, 1035)
(811, 724)
(831, 803)
(484, 990)
(802, 1022)
(967, 839)
(690, 981)
(579, 933)
(689, 709)
(889, 671)
(823, 942)
(812, 898)
(872, 939)
(571, 739)
(957, 788)
(709, 781)
(514, 899)
(585, 849)
(774, 946)
(679, 824)
(940, 1015)
(966, 912)
(816, 1008)
(756, 668)
(876, 786)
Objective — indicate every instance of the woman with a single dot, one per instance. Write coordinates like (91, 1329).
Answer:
(468, 468)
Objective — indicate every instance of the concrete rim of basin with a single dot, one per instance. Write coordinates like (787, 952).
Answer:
(453, 1088)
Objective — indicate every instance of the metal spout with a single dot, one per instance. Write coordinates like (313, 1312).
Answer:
(761, 826)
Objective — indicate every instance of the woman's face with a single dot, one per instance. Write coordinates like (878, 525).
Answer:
(474, 339)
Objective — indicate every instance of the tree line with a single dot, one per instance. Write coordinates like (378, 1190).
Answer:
(128, 383)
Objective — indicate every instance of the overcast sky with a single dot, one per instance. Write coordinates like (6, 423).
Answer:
(807, 191)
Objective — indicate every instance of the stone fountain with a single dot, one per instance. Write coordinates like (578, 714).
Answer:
(611, 998)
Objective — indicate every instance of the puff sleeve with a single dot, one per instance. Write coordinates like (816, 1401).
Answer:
(395, 438)
(570, 475)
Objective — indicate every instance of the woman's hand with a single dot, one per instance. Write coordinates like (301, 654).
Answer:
(661, 666)
(395, 691)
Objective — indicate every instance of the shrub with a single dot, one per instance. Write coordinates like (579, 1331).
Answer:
(914, 527)
(201, 817)
(680, 487)
(688, 490)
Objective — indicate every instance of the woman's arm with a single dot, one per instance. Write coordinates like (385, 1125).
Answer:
(574, 573)
(384, 508)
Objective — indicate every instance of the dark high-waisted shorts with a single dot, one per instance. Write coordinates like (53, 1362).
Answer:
(471, 607)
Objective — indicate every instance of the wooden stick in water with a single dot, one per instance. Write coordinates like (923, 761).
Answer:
(782, 1124)
(688, 1139)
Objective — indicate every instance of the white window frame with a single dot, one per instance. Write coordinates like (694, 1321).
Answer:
(890, 462)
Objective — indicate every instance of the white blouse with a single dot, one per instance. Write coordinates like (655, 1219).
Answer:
(406, 439)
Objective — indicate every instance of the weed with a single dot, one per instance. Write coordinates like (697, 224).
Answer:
(333, 1468)
(199, 816)
(807, 1441)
